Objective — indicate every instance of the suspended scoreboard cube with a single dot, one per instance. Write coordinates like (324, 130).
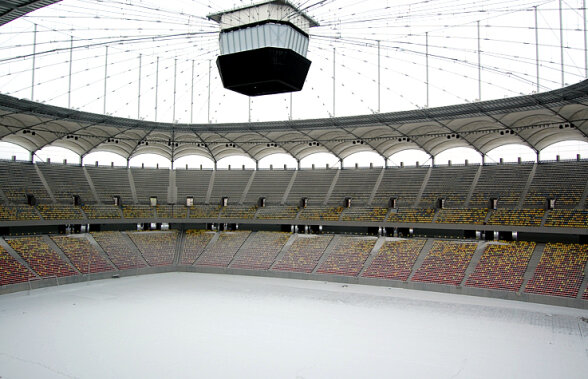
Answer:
(263, 48)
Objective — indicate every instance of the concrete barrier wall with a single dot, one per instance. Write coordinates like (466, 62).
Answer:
(470, 291)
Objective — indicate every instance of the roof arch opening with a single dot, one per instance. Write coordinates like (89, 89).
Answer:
(194, 162)
(105, 159)
(236, 162)
(9, 150)
(278, 161)
(565, 150)
(511, 153)
(56, 154)
(458, 155)
(409, 157)
(320, 160)
(364, 159)
(150, 161)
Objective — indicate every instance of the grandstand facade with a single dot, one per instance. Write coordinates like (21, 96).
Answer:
(515, 231)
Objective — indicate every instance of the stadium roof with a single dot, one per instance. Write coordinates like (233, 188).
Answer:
(536, 121)
(12, 9)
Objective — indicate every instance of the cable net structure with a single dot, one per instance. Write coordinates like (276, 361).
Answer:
(155, 61)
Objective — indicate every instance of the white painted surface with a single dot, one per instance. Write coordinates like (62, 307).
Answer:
(183, 325)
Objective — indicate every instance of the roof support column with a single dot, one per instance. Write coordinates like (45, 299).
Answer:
(298, 164)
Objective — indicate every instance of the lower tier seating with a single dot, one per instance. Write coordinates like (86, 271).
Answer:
(158, 248)
(348, 257)
(82, 254)
(502, 266)
(40, 257)
(260, 251)
(118, 250)
(304, 254)
(194, 244)
(11, 270)
(395, 260)
(223, 251)
(560, 271)
(446, 263)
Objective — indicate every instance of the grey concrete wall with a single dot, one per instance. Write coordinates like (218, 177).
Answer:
(469, 291)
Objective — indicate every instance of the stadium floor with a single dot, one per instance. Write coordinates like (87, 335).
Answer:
(182, 325)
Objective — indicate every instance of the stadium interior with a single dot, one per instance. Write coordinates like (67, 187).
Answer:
(510, 230)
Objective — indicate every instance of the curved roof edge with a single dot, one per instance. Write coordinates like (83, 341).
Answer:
(558, 97)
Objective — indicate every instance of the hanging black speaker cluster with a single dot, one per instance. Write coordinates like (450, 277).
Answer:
(263, 48)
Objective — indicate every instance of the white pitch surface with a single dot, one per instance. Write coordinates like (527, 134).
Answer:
(186, 325)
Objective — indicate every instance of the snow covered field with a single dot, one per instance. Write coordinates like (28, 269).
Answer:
(183, 325)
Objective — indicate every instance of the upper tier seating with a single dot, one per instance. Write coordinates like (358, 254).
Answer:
(192, 183)
(11, 270)
(407, 215)
(321, 213)
(521, 217)
(567, 218)
(138, 211)
(364, 214)
(194, 244)
(446, 263)
(451, 183)
(65, 181)
(95, 212)
(395, 259)
(18, 213)
(231, 184)
(260, 251)
(118, 250)
(110, 182)
(401, 183)
(204, 211)
(222, 252)
(269, 184)
(82, 254)
(237, 211)
(158, 248)
(276, 213)
(461, 216)
(40, 257)
(502, 266)
(348, 257)
(19, 179)
(60, 212)
(312, 184)
(357, 184)
(304, 254)
(151, 182)
(171, 211)
(502, 182)
(562, 181)
(560, 271)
